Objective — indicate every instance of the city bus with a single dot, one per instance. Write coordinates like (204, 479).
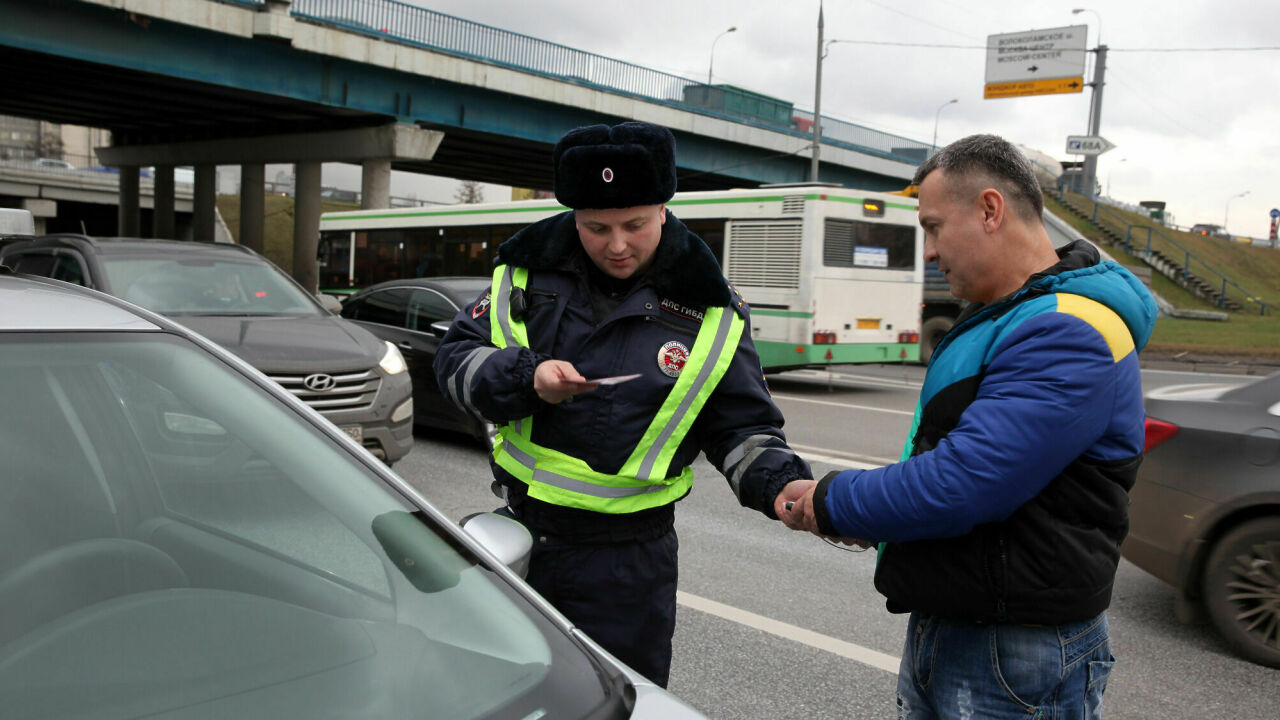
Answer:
(832, 275)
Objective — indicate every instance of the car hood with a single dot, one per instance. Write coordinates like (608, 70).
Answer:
(291, 343)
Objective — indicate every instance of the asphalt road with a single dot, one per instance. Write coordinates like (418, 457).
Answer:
(775, 624)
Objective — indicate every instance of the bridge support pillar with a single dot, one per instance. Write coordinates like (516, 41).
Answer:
(375, 184)
(306, 224)
(129, 223)
(163, 223)
(252, 205)
(203, 203)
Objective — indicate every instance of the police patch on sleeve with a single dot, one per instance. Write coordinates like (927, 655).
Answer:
(672, 357)
(481, 307)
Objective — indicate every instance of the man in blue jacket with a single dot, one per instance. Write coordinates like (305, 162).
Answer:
(610, 351)
(1000, 530)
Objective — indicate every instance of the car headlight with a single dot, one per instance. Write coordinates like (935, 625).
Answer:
(392, 362)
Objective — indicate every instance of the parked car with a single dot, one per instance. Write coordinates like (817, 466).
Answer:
(239, 299)
(414, 314)
(184, 539)
(1205, 511)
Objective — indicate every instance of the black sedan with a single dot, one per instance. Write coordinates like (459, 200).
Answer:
(412, 314)
(1205, 511)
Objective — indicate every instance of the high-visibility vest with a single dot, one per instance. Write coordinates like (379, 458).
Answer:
(561, 479)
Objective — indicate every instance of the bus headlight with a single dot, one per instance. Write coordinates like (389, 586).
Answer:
(392, 362)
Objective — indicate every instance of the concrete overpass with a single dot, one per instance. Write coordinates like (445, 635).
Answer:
(382, 84)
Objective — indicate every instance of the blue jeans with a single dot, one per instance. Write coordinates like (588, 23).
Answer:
(953, 669)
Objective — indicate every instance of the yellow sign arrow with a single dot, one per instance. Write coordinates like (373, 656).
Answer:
(1049, 86)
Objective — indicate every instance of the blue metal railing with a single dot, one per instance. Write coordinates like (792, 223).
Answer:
(413, 25)
(1158, 241)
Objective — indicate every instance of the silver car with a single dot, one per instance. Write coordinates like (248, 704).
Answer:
(180, 537)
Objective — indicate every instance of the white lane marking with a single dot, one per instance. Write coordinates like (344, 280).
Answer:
(1234, 376)
(857, 462)
(845, 379)
(778, 396)
(848, 650)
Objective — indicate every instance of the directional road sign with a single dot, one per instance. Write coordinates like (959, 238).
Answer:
(1036, 62)
(1087, 145)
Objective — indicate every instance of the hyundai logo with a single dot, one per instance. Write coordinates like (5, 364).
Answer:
(319, 382)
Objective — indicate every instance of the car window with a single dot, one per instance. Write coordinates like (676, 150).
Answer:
(428, 306)
(68, 269)
(171, 524)
(32, 263)
(205, 286)
(385, 307)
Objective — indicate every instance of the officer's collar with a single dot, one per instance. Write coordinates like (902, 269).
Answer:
(683, 269)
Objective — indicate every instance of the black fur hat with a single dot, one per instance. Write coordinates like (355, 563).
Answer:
(602, 167)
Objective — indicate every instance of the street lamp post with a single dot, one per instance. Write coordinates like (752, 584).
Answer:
(1109, 177)
(1228, 208)
(713, 51)
(1095, 102)
(937, 115)
(1077, 11)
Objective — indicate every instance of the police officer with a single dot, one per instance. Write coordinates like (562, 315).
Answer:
(616, 289)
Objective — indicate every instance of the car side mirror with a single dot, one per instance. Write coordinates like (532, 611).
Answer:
(504, 537)
(440, 327)
(330, 303)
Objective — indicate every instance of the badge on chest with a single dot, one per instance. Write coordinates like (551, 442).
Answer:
(672, 357)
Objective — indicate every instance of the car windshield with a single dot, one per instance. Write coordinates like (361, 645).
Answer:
(175, 541)
(175, 286)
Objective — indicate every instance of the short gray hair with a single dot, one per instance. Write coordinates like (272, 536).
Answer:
(990, 159)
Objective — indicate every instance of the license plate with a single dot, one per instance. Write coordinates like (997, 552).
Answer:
(355, 431)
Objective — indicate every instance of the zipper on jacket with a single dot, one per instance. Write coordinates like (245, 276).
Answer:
(670, 325)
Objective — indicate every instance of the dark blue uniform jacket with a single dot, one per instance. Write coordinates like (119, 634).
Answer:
(739, 428)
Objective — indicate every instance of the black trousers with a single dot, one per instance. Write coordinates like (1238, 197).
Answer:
(621, 594)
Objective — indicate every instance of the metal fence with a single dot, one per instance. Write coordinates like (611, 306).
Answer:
(399, 22)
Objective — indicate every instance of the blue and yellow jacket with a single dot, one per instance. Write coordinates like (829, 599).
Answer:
(1011, 501)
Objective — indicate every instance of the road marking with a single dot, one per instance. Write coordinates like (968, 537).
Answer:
(850, 379)
(847, 650)
(778, 396)
(857, 462)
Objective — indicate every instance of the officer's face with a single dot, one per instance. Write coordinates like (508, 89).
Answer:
(621, 242)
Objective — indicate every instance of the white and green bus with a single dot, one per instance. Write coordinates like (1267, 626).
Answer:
(833, 275)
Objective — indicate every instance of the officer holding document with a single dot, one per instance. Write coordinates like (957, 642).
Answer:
(610, 351)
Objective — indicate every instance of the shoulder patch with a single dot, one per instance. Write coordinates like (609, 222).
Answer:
(1101, 318)
(481, 307)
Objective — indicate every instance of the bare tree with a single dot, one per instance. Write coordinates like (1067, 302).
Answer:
(469, 192)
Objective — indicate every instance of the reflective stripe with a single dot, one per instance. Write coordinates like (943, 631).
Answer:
(472, 364)
(735, 455)
(502, 307)
(691, 393)
(585, 488)
(750, 460)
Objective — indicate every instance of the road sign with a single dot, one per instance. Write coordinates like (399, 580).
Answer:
(1051, 86)
(1088, 145)
(1030, 58)
(1275, 212)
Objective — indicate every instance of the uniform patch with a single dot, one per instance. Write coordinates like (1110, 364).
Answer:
(672, 357)
(683, 311)
(481, 307)
(607, 175)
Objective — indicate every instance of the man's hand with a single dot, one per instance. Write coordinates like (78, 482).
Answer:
(799, 493)
(556, 381)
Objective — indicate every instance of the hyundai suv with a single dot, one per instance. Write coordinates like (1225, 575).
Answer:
(239, 299)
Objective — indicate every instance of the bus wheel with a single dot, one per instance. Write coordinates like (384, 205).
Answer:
(931, 333)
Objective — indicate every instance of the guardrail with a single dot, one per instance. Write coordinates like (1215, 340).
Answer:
(409, 24)
(1157, 242)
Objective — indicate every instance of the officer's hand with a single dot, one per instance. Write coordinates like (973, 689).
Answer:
(800, 494)
(556, 381)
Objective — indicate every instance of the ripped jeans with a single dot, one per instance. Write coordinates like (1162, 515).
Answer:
(957, 669)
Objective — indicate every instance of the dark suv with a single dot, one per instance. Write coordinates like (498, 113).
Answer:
(240, 300)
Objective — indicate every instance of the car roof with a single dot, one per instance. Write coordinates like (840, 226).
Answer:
(456, 287)
(32, 303)
(123, 245)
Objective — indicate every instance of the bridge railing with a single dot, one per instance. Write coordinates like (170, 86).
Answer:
(400, 22)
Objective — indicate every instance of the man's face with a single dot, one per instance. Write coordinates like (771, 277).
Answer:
(621, 242)
(957, 239)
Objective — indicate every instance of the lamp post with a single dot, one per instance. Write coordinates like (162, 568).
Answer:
(713, 51)
(1228, 209)
(1077, 11)
(1095, 103)
(937, 115)
(1109, 177)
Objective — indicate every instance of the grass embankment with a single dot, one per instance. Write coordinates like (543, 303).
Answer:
(1255, 269)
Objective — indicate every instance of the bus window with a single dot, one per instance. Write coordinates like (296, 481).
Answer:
(850, 243)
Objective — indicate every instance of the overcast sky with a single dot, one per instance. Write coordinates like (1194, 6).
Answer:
(1192, 128)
